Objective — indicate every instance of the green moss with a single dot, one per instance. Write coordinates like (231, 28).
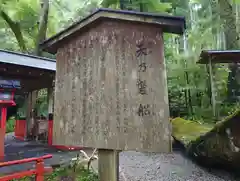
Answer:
(187, 131)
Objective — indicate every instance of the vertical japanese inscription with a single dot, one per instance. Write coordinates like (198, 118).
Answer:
(142, 50)
(142, 86)
(144, 110)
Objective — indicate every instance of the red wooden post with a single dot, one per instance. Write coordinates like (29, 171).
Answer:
(50, 132)
(3, 118)
(23, 129)
(39, 170)
(16, 128)
(20, 129)
(2, 131)
(2, 139)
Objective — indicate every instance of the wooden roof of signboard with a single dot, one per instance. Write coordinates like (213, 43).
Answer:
(219, 56)
(169, 24)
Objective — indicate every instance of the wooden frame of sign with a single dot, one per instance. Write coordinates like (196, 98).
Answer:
(111, 89)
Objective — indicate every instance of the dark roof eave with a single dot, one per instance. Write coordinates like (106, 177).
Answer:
(219, 56)
(20, 59)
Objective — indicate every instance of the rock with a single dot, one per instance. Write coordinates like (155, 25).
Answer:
(186, 131)
(220, 147)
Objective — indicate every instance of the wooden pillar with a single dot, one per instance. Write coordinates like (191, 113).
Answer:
(2, 139)
(50, 115)
(28, 113)
(2, 131)
(50, 94)
(31, 101)
(108, 165)
(213, 90)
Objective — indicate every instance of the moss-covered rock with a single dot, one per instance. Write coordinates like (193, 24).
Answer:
(220, 146)
(186, 131)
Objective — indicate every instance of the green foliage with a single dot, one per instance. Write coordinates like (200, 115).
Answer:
(188, 82)
(16, 30)
(64, 172)
(21, 17)
(10, 125)
(147, 5)
(110, 3)
(41, 103)
(81, 174)
(156, 6)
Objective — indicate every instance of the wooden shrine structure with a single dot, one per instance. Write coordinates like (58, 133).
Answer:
(211, 57)
(33, 73)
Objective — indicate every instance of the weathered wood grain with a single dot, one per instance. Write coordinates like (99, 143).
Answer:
(97, 98)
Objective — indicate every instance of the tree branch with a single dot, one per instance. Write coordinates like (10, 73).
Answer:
(15, 27)
(42, 25)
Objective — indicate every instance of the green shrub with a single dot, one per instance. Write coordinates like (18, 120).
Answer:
(10, 125)
(81, 175)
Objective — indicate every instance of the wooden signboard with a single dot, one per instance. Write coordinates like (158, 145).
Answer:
(111, 88)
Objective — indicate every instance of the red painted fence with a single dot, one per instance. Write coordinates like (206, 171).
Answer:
(38, 171)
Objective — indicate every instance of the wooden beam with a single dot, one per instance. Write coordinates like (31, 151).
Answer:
(2, 135)
(50, 100)
(28, 113)
(28, 82)
(31, 101)
(30, 85)
(13, 69)
(108, 165)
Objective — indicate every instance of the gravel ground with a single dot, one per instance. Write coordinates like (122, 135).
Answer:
(135, 166)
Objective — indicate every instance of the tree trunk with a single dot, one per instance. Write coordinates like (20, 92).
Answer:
(42, 30)
(43, 21)
(15, 27)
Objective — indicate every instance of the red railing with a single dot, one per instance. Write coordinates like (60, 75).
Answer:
(20, 129)
(38, 171)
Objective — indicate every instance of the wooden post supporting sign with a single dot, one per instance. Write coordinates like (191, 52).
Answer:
(108, 165)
